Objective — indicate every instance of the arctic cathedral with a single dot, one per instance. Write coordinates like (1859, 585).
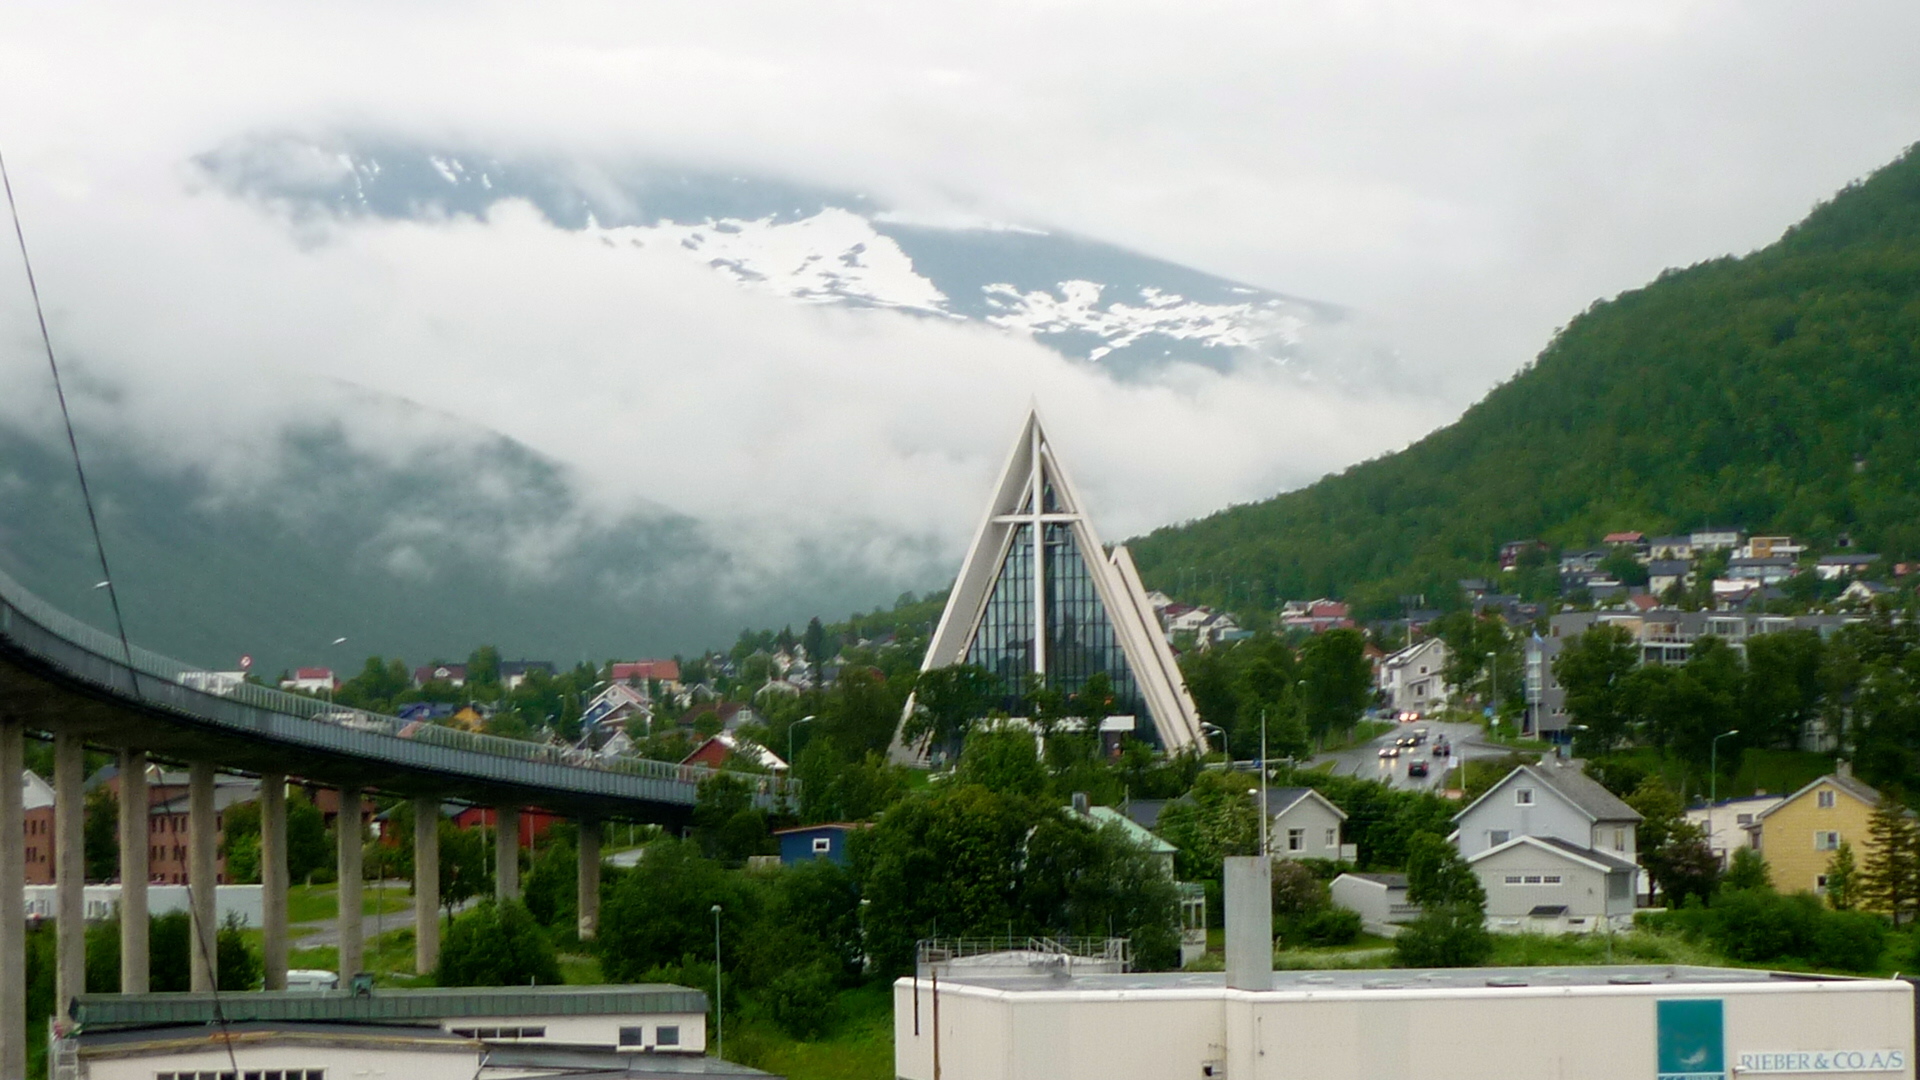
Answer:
(1039, 596)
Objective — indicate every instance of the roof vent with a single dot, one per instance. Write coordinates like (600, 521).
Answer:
(1081, 803)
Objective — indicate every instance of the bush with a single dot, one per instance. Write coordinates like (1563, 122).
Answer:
(1761, 926)
(1329, 926)
(1452, 935)
(1849, 940)
(801, 1000)
(237, 967)
(497, 944)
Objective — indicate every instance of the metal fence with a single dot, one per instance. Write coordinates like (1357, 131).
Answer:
(146, 664)
(1025, 952)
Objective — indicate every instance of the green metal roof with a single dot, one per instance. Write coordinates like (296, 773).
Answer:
(1107, 815)
(423, 1005)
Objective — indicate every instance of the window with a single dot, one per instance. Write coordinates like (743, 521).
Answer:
(1743, 819)
(822, 845)
(1296, 839)
(1825, 840)
(633, 1036)
(1513, 879)
(1619, 839)
(1523, 796)
(1820, 882)
(667, 1035)
(1533, 879)
(1550, 879)
(1825, 798)
(250, 1074)
(1333, 837)
(1496, 837)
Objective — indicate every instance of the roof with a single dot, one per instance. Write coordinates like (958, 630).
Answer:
(586, 1063)
(189, 1037)
(1146, 811)
(1845, 783)
(828, 826)
(1583, 791)
(35, 793)
(665, 670)
(1321, 981)
(1599, 860)
(1848, 559)
(1106, 815)
(1391, 881)
(1668, 567)
(313, 673)
(1280, 800)
(435, 1003)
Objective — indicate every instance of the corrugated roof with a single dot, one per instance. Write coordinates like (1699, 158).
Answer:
(436, 1003)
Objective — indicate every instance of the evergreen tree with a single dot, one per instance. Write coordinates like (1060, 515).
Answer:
(1747, 871)
(1843, 884)
(1890, 880)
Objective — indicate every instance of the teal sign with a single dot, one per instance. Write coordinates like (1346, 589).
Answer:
(1692, 1039)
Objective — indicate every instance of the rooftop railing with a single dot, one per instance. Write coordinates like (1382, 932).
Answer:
(152, 665)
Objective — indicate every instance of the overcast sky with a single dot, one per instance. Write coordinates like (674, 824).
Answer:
(1468, 174)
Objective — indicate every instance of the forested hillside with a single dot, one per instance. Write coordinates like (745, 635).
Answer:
(1778, 392)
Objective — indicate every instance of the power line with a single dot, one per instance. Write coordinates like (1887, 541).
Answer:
(73, 443)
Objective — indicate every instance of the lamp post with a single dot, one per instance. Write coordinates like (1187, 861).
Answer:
(331, 677)
(1493, 688)
(719, 1003)
(1216, 729)
(790, 728)
(1713, 781)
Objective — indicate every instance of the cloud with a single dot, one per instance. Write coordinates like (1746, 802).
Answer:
(1469, 173)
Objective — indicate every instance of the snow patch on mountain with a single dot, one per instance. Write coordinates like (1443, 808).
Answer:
(1076, 307)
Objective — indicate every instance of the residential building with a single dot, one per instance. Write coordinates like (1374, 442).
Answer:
(806, 843)
(1320, 616)
(640, 673)
(1102, 816)
(1040, 595)
(1713, 538)
(1304, 824)
(1799, 836)
(614, 704)
(1379, 899)
(1664, 574)
(724, 747)
(1583, 562)
(1671, 547)
(1765, 569)
(36, 827)
(1863, 593)
(1728, 822)
(534, 822)
(1513, 551)
(451, 674)
(1555, 851)
(1772, 547)
(514, 672)
(1842, 566)
(311, 680)
(1635, 542)
(1412, 680)
(167, 820)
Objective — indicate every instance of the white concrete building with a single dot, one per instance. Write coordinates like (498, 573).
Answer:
(1412, 679)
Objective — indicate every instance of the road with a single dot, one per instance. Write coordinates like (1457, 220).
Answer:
(1365, 760)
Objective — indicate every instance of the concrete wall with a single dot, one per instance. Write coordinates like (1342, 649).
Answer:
(1570, 1033)
(454, 1063)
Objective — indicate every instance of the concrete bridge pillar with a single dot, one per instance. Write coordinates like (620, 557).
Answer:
(506, 852)
(136, 841)
(203, 842)
(13, 900)
(69, 871)
(273, 880)
(589, 880)
(347, 832)
(426, 885)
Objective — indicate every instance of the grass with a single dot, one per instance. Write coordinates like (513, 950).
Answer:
(1361, 734)
(1780, 772)
(389, 957)
(318, 903)
(858, 1047)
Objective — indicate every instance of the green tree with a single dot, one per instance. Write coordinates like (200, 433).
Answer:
(552, 888)
(1746, 870)
(1339, 681)
(660, 912)
(1593, 668)
(240, 842)
(463, 865)
(496, 944)
(1437, 876)
(101, 835)
(1843, 879)
(726, 824)
(815, 642)
(309, 846)
(1451, 928)
(946, 703)
(1890, 880)
(1675, 852)
(1002, 759)
(1782, 690)
(1218, 819)
(239, 967)
(483, 669)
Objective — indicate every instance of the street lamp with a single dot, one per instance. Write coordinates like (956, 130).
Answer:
(1216, 729)
(331, 678)
(1493, 688)
(719, 1003)
(790, 727)
(1713, 780)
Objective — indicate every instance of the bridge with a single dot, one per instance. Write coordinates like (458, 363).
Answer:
(86, 688)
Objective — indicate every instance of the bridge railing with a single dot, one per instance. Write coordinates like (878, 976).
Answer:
(321, 710)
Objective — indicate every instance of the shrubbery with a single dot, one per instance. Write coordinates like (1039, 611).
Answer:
(1759, 926)
(497, 944)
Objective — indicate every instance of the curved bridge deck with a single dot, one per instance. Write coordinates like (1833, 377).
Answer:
(61, 675)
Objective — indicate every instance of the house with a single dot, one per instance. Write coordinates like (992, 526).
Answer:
(641, 673)
(1582, 562)
(1513, 551)
(1799, 836)
(730, 715)
(1475, 588)
(1380, 900)
(1714, 538)
(717, 751)
(534, 823)
(1635, 542)
(1304, 824)
(1863, 593)
(1318, 617)
(1554, 850)
(1411, 679)
(1101, 816)
(451, 674)
(36, 829)
(1771, 547)
(1765, 569)
(1664, 574)
(167, 817)
(1554, 798)
(514, 672)
(1728, 823)
(614, 704)
(1546, 885)
(1840, 567)
(809, 842)
(311, 680)
(1671, 547)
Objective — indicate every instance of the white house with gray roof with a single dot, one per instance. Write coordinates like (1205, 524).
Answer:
(1304, 824)
(1566, 816)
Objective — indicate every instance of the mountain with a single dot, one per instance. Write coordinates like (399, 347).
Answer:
(1131, 314)
(1779, 391)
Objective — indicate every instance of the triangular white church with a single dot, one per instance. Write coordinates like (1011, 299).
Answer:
(1036, 541)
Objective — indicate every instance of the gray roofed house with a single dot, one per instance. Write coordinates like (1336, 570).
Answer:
(1304, 824)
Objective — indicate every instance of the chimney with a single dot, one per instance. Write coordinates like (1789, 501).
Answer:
(1248, 898)
(1080, 803)
(1843, 769)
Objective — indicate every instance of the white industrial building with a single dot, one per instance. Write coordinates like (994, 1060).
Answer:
(1660, 1022)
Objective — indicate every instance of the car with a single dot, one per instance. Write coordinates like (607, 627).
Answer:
(1416, 768)
(1389, 751)
(1441, 749)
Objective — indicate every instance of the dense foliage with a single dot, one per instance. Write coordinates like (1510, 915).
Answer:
(1777, 391)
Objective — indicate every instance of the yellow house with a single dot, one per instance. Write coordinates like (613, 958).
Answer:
(1798, 837)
